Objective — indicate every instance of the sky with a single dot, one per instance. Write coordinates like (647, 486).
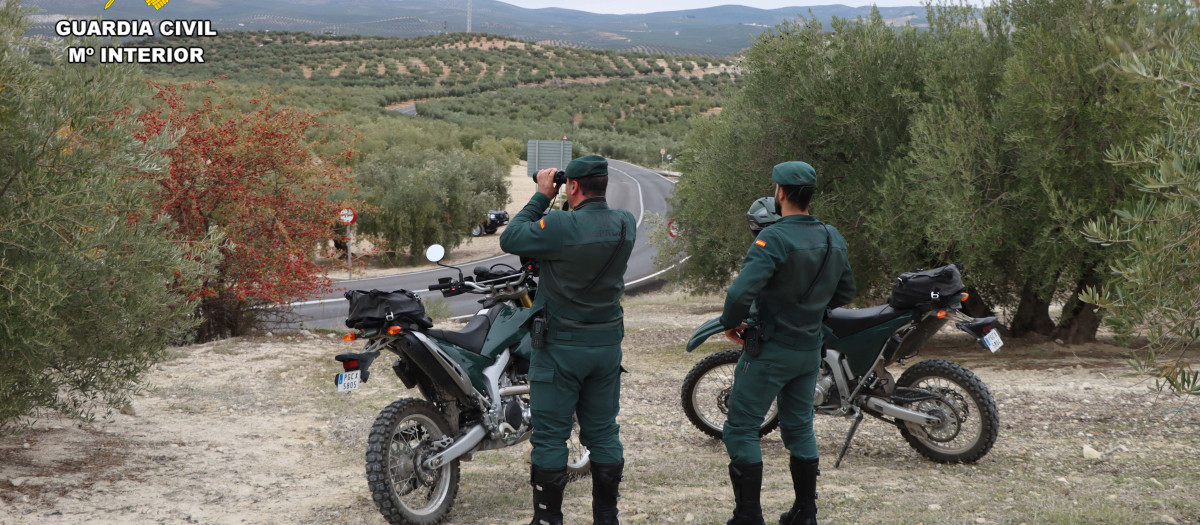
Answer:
(642, 6)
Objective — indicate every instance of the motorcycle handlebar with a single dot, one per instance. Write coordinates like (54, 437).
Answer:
(480, 286)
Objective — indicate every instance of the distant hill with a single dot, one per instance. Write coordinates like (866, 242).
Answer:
(720, 30)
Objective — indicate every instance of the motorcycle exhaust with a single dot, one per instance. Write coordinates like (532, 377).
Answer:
(518, 390)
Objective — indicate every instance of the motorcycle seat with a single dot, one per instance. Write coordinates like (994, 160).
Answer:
(847, 321)
(471, 337)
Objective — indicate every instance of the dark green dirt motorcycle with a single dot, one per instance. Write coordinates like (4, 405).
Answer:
(941, 408)
(473, 387)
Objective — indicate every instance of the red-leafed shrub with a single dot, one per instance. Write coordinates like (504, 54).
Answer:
(256, 181)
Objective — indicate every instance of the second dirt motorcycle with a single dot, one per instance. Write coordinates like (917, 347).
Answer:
(942, 409)
(473, 383)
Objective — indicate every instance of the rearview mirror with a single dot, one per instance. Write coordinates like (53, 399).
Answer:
(435, 253)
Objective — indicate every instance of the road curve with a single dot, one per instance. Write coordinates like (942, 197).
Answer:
(637, 189)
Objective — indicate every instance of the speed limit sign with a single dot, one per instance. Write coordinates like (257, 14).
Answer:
(673, 229)
(347, 216)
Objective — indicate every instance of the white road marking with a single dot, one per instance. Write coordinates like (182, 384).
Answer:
(641, 204)
(660, 272)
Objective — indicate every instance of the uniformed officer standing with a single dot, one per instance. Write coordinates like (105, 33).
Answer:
(795, 269)
(583, 255)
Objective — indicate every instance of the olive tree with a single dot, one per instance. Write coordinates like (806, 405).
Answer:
(1156, 238)
(93, 289)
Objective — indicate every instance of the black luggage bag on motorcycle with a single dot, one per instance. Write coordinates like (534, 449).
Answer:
(914, 289)
(378, 309)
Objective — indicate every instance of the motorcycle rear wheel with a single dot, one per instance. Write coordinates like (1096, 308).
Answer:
(973, 423)
(401, 438)
(705, 394)
(579, 461)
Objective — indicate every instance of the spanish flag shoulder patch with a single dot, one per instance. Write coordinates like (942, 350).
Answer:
(542, 223)
(760, 243)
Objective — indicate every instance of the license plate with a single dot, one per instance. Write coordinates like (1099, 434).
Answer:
(992, 341)
(347, 382)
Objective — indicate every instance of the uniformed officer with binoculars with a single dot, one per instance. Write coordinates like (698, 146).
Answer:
(578, 327)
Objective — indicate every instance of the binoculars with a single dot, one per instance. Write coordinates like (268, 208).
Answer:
(560, 177)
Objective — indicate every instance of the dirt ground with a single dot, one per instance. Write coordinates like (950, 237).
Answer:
(251, 431)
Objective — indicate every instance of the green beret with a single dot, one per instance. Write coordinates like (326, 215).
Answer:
(587, 166)
(793, 173)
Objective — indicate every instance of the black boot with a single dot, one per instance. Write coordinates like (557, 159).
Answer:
(605, 479)
(548, 488)
(747, 484)
(804, 481)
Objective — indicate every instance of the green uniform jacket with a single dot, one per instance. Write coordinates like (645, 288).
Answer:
(573, 247)
(779, 267)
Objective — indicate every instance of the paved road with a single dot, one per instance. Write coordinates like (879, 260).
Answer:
(632, 187)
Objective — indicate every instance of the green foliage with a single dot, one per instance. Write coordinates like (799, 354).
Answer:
(437, 308)
(969, 142)
(1156, 239)
(835, 100)
(92, 285)
(437, 200)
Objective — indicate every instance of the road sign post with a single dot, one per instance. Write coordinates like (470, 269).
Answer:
(543, 154)
(347, 216)
(673, 231)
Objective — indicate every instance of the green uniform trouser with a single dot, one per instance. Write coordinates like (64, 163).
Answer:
(584, 381)
(778, 372)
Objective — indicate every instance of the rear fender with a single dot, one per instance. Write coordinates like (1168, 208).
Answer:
(361, 362)
(703, 332)
(977, 328)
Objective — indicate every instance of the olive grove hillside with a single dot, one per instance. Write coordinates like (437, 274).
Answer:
(622, 104)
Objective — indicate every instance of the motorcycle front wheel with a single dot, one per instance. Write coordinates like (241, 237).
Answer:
(401, 439)
(970, 421)
(705, 394)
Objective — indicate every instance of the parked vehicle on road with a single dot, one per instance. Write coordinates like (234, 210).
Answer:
(495, 219)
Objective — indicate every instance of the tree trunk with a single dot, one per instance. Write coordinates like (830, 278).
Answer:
(1080, 321)
(1032, 316)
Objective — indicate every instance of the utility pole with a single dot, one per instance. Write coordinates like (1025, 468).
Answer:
(468, 16)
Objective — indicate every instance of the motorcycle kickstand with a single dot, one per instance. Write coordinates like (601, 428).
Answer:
(849, 436)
